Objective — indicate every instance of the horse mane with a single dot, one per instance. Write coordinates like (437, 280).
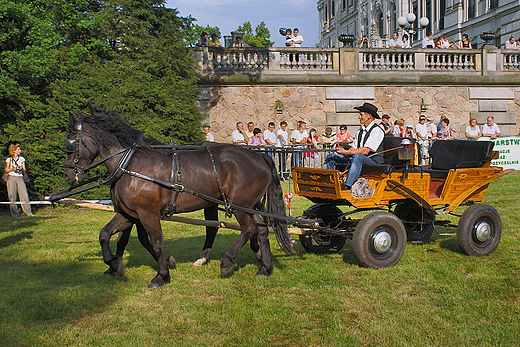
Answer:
(112, 130)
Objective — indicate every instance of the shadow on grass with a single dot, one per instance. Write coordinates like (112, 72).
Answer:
(187, 250)
(14, 239)
(450, 244)
(8, 223)
(36, 295)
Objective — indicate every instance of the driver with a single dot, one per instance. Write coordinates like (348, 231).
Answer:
(368, 142)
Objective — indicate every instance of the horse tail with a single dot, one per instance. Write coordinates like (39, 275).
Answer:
(276, 205)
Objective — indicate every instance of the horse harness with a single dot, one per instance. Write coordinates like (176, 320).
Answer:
(175, 179)
(73, 146)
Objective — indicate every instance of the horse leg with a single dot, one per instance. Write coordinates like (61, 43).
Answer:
(265, 249)
(118, 224)
(152, 226)
(255, 247)
(145, 241)
(210, 213)
(249, 229)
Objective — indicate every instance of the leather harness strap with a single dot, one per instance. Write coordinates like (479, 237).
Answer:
(222, 194)
(175, 178)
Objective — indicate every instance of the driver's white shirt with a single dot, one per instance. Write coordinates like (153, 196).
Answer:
(375, 138)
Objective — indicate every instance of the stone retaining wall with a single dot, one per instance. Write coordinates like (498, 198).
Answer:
(321, 106)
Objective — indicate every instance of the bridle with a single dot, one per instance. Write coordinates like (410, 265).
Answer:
(72, 146)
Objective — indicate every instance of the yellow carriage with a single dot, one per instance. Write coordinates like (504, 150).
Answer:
(407, 199)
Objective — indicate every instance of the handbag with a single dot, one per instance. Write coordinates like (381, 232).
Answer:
(26, 177)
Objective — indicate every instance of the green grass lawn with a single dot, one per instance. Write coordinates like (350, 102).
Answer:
(53, 292)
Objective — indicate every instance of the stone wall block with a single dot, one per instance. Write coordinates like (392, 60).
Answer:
(329, 106)
(492, 105)
(306, 109)
(500, 117)
(451, 100)
(336, 119)
(350, 93)
(491, 93)
(308, 100)
(439, 96)
(346, 105)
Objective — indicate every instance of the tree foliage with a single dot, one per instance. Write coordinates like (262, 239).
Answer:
(192, 32)
(261, 36)
(55, 56)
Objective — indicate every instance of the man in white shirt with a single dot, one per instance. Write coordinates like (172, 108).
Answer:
(395, 42)
(421, 129)
(368, 142)
(238, 136)
(491, 129)
(282, 138)
(270, 138)
(297, 39)
(511, 43)
(299, 136)
(209, 135)
(427, 42)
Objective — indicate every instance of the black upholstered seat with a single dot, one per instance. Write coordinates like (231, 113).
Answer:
(391, 158)
(458, 154)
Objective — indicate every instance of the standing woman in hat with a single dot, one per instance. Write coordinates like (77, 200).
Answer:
(14, 168)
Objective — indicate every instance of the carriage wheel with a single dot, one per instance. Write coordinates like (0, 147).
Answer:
(410, 211)
(479, 230)
(379, 240)
(322, 243)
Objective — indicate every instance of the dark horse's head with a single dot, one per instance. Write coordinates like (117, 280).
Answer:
(97, 134)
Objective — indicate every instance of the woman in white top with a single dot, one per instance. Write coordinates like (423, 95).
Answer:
(14, 168)
(473, 130)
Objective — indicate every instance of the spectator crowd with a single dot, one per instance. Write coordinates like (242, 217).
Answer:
(302, 141)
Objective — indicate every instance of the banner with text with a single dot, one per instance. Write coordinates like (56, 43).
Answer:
(509, 149)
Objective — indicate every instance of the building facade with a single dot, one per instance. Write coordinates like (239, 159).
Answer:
(377, 19)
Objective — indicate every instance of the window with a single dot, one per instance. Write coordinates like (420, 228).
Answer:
(379, 18)
(442, 8)
(344, 4)
(332, 9)
(493, 4)
(471, 9)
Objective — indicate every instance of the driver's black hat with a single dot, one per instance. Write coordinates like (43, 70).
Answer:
(368, 108)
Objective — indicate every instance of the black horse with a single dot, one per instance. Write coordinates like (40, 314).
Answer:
(245, 176)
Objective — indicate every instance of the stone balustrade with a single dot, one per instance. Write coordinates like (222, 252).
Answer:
(226, 65)
(510, 60)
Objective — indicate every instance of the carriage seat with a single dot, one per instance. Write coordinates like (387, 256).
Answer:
(456, 154)
(391, 158)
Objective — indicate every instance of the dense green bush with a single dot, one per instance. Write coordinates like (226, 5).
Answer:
(57, 56)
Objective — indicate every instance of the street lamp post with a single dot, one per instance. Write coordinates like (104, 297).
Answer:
(406, 23)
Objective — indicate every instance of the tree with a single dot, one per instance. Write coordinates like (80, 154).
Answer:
(192, 31)
(57, 55)
(261, 36)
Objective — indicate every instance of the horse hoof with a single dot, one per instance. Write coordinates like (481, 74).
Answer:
(109, 273)
(226, 270)
(258, 255)
(172, 264)
(264, 273)
(154, 285)
(159, 281)
(200, 262)
(121, 270)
